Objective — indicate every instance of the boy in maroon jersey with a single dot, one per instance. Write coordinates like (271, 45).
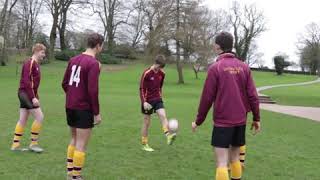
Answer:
(230, 87)
(29, 99)
(151, 101)
(81, 85)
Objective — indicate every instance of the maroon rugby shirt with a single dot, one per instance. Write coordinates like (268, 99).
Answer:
(30, 78)
(151, 85)
(81, 83)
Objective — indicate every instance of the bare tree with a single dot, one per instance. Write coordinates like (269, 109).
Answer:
(63, 22)
(309, 48)
(5, 14)
(191, 23)
(159, 24)
(28, 12)
(55, 9)
(211, 23)
(134, 32)
(196, 27)
(4, 26)
(112, 13)
(178, 42)
(254, 57)
(163, 25)
(77, 39)
(66, 6)
(248, 23)
(200, 26)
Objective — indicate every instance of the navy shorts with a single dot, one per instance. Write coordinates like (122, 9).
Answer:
(83, 119)
(25, 101)
(156, 105)
(224, 137)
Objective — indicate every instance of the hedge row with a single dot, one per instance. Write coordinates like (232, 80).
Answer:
(104, 58)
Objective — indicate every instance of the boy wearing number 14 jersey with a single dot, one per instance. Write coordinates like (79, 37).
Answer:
(81, 84)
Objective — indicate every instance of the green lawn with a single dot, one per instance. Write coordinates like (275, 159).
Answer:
(267, 78)
(296, 95)
(286, 149)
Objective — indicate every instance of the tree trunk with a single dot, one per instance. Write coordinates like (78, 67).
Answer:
(3, 16)
(62, 30)
(29, 33)
(110, 26)
(195, 70)
(25, 34)
(178, 46)
(245, 50)
(30, 36)
(314, 70)
(18, 38)
(151, 47)
(2, 25)
(179, 67)
(110, 40)
(53, 35)
(4, 54)
(319, 70)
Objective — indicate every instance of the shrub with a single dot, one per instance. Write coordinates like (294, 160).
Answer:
(280, 64)
(124, 51)
(104, 57)
(66, 54)
(108, 59)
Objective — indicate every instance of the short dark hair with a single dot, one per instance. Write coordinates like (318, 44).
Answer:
(225, 41)
(94, 39)
(161, 60)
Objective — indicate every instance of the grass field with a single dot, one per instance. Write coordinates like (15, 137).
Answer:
(296, 95)
(266, 78)
(286, 149)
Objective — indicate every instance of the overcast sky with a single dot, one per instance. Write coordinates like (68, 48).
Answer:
(285, 20)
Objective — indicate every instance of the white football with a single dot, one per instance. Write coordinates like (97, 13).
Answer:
(173, 125)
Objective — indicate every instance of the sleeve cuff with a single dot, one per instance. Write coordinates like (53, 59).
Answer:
(197, 123)
(96, 112)
(32, 96)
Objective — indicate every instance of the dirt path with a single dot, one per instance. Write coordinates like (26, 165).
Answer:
(312, 113)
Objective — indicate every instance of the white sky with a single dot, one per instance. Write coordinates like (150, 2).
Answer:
(286, 19)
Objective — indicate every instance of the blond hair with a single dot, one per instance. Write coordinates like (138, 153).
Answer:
(38, 47)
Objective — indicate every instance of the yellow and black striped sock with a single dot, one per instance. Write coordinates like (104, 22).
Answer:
(18, 132)
(165, 130)
(236, 170)
(70, 153)
(242, 153)
(222, 173)
(78, 162)
(144, 140)
(35, 130)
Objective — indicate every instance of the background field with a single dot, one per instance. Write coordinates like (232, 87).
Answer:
(297, 95)
(287, 148)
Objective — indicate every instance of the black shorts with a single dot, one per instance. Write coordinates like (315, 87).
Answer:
(82, 119)
(25, 101)
(224, 137)
(155, 106)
